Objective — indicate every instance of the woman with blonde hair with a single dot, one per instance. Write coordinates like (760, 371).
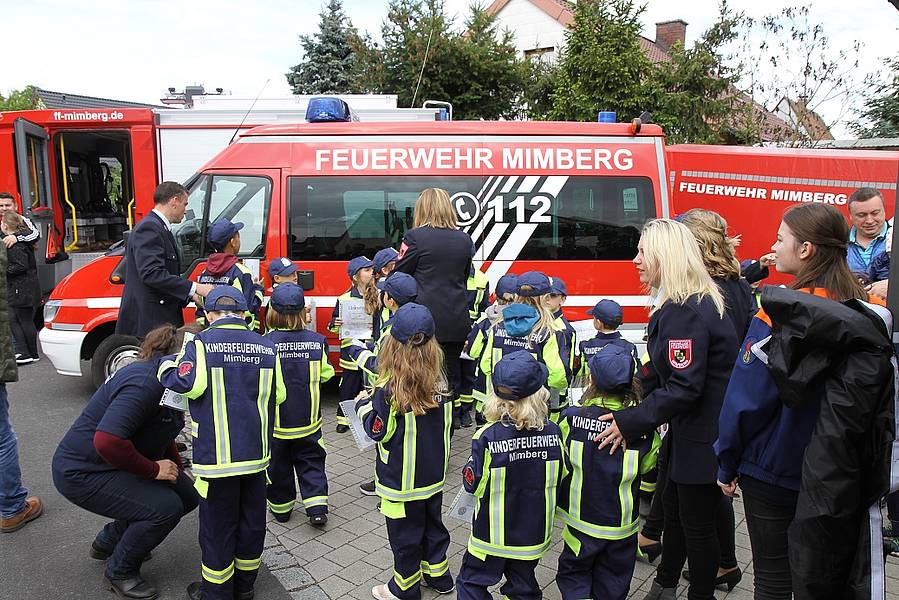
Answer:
(438, 256)
(692, 347)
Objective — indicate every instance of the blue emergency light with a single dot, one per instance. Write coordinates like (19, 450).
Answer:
(328, 110)
(606, 116)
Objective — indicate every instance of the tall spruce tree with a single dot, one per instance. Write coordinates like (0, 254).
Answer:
(602, 66)
(329, 60)
(880, 115)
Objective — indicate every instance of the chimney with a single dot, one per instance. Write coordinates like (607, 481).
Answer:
(668, 32)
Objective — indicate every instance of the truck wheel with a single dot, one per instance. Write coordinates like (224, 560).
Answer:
(112, 354)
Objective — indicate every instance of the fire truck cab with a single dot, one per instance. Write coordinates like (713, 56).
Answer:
(568, 199)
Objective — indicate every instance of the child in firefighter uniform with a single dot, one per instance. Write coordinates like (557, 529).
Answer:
(224, 268)
(478, 298)
(506, 289)
(565, 333)
(282, 270)
(516, 465)
(232, 378)
(607, 318)
(599, 501)
(298, 445)
(363, 288)
(409, 414)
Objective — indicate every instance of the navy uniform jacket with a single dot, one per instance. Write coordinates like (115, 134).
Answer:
(692, 350)
(590, 347)
(304, 366)
(739, 306)
(233, 379)
(566, 335)
(240, 277)
(440, 261)
(413, 451)
(347, 362)
(154, 291)
(601, 495)
(514, 474)
(126, 406)
(545, 349)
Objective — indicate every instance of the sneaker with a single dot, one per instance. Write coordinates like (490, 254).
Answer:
(382, 592)
(890, 545)
(35, 358)
(318, 520)
(368, 488)
(21, 359)
(282, 517)
(465, 419)
(428, 584)
(33, 509)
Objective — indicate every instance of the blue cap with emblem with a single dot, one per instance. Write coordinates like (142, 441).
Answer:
(402, 287)
(225, 298)
(288, 299)
(558, 286)
(282, 267)
(383, 257)
(221, 231)
(412, 322)
(518, 375)
(360, 262)
(507, 284)
(534, 283)
(612, 367)
(607, 311)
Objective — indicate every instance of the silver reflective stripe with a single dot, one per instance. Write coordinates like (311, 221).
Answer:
(409, 451)
(839, 183)
(220, 417)
(497, 505)
(552, 473)
(315, 368)
(238, 469)
(265, 392)
(508, 551)
(628, 473)
(577, 477)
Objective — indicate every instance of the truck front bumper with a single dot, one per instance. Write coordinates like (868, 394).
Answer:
(63, 348)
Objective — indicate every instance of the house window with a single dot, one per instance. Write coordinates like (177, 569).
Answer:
(545, 53)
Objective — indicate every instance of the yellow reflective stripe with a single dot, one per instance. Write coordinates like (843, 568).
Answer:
(200, 382)
(571, 541)
(647, 486)
(342, 420)
(476, 545)
(549, 500)
(422, 493)
(383, 453)
(497, 506)
(447, 433)
(409, 443)
(280, 389)
(599, 531)
(265, 392)
(286, 507)
(218, 577)
(435, 570)
(348, 365)
(290, 433)
(220, 417)
(404, 583)
(315, 501)
(577, 477)
(245, 564)
(246, 467)
(315, 370)
(628, 473)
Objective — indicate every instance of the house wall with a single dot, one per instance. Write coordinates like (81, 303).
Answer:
(531, 27)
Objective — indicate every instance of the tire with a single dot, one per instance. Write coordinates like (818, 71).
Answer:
(112, 354)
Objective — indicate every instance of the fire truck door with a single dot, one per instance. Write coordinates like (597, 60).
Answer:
(32, 165)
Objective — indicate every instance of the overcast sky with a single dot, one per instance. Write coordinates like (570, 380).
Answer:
(134, 50)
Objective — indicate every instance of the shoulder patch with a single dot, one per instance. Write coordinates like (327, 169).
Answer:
(468, 474)
(680, 353)
(185, 369)
(377, 425)
(747, 355)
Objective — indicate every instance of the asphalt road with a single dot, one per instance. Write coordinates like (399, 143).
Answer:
(48, 558)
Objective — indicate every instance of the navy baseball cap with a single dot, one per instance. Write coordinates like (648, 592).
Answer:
(607, 311)
(402, 287)
(360, 262)
(612, 367)
(558, 286)
(412, 319)
(384, 256)
(282, 267)
(288, 299)
(539, 283)
(507, 284)
(221, 231)
(225, 297)
(518, 375)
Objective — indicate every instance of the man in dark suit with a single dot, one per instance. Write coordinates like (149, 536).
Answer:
(155, 292)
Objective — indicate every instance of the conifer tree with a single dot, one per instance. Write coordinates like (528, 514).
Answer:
(329, 64)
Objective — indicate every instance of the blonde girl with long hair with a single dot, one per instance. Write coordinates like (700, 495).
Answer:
(361, 273)
(409, 415)
(692, 347)
(516, 465)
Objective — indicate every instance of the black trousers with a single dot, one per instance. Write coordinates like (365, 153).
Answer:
(477, 575)
(768, 523)
(232, 534)
(351, 383)
(419, 542)
(145, 512)
(690, 535)
(453, 366)
(592, 567)
(24, 333)
(305, 457)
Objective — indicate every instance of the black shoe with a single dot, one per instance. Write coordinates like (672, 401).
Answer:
(318, 520)
(342, 428)
(729, 579)
(456, 423)
(368, 488)
(181, 446)
(99, 553)
(248, 595)
(465, 418)
(282, 517)
(651, 551)
(428, 584)
(134, 587)
(194, 591)
(479, 419)
(657, 592)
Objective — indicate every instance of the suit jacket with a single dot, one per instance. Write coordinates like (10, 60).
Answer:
(692, 350)
(154, 292)
(440, 260)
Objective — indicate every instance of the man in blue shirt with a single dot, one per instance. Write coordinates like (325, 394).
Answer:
(867, 238)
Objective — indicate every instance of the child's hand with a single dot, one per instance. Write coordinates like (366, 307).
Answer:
(364, 394)
(338, 322)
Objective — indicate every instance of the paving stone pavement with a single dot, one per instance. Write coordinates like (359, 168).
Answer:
(351, 554)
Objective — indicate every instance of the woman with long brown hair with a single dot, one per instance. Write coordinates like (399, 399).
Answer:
(23, 290)
(761, 440)
(119, 460)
